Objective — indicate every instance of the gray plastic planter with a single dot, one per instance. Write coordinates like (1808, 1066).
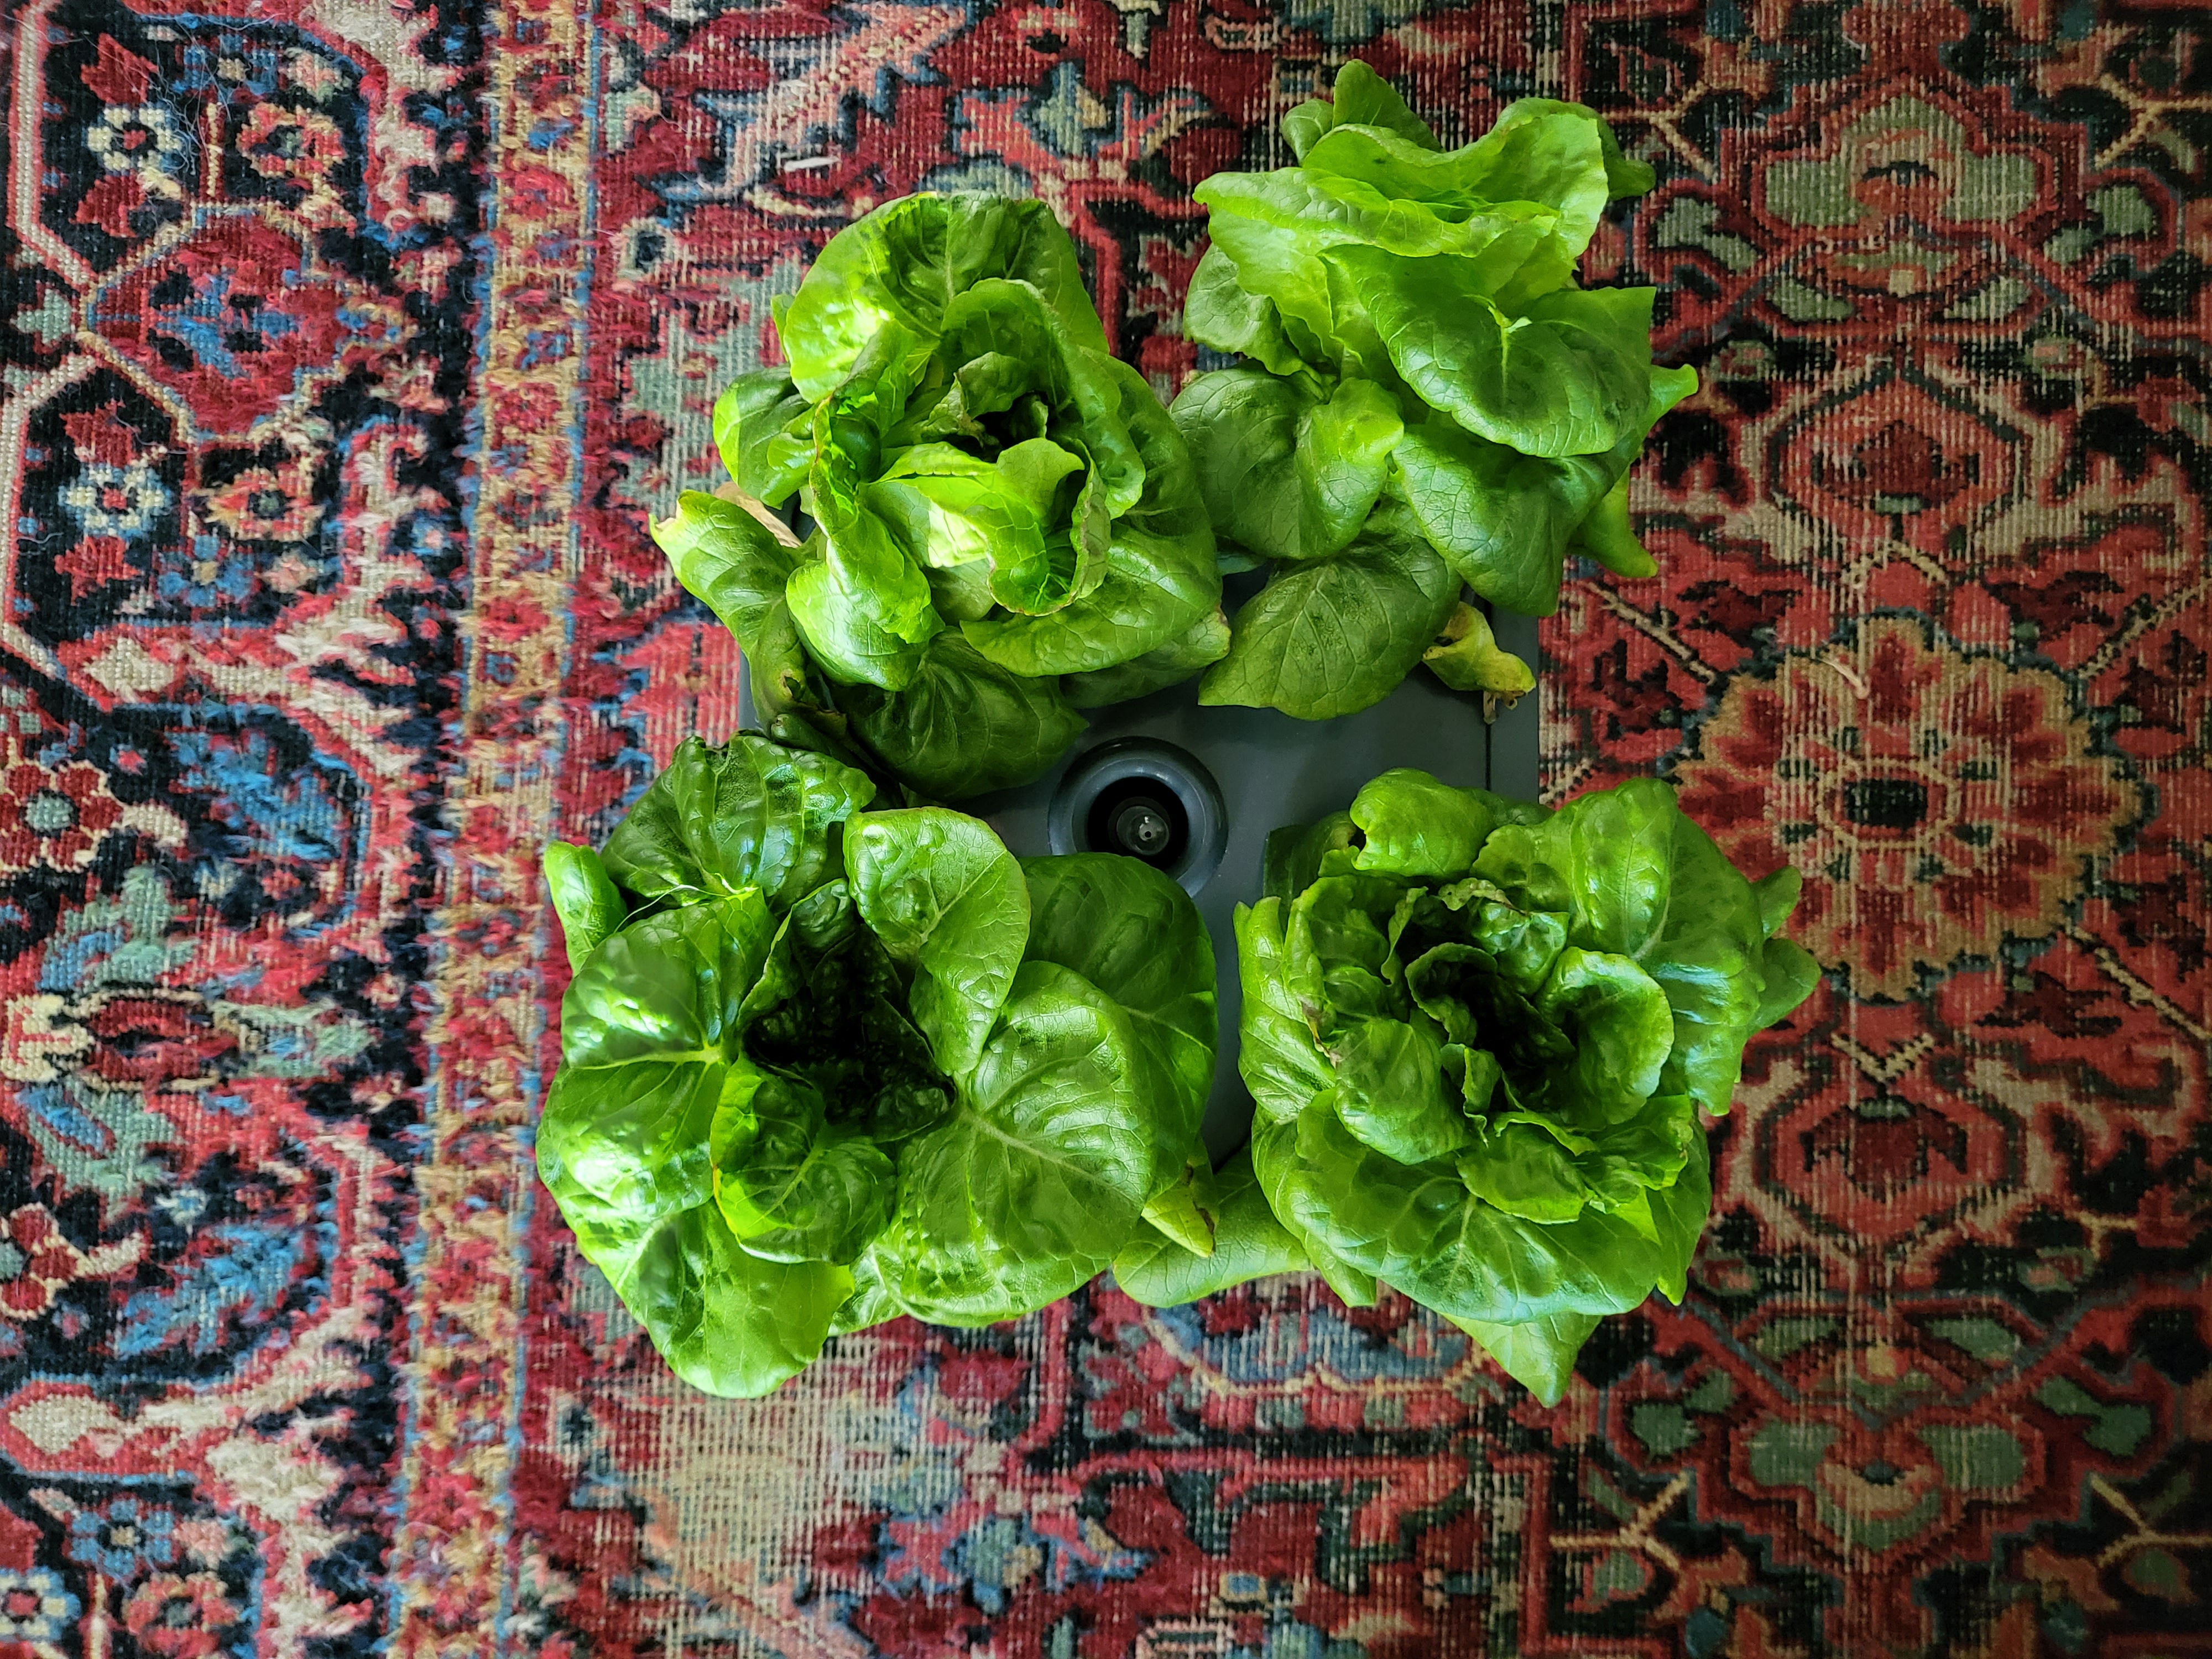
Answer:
(1197, 791)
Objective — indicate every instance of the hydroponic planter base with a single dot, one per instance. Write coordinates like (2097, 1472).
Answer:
(1254, 771)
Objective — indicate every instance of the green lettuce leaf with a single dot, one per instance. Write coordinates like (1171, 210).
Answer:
(1360, 97)
(1540, 1354)
(795, 1188)
(1248, 1244)
(1331, 636)
(1133, 933)
(1285, 474)
(998, 505)
(1220, 310)
(906, 262)
(1277, 1055)
(838, 1065)
(752, 814)
(1412, 825)
(1635, 876)
(648, 1029)
(584, 897)
(1568, 376)
(1505, 520)
(1466, 656)
(948, 901)
(1159, 576)
(1205, 640)
(727, 1322)
(1042, 1173)
(964, 725)
(1479, 1035)
(1417, 348)
(761, 430)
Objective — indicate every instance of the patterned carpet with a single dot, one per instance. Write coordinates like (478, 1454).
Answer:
(349, 344)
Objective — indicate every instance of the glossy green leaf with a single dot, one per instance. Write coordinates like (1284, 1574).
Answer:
(1778, 894)
(1466, 656)
(738, 567)
(728, 559)
(1568, 376)
(649, 1029)
(1283, 473)
(1623, 176)
(1249, 1244)
(1524, 943)
(871, 1301)
(1219, 312)
(904, 263)
(1788, 975)
(1418, 1228)
(1132, 932)
(1331, 636)
(1338, 946)
(1636, 877)
(1042, 1173)
(948, 901)
(584, 897)
(1504, 520)
(795, 1188)
(1255, 219)
(1276, 1054)
(727, 1320)
(1205, 642)
(964, 726)
(836, 613)
(1174, 1211)
(750, 814)
(1520, 1167)
(1619, 1020)
(1390, 1090)
(1556, 154)
(1159, 575)
(761, 430)
(1275, 1165)
(1360, 96)
(1416, 826)
(1608, 536)
(1477, 1068)
(1681, 1212)
(1294, 856)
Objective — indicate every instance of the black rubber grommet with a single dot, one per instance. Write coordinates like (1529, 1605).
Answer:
(1147, 799)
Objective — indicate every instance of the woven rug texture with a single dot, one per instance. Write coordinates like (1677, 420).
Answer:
(349, 345)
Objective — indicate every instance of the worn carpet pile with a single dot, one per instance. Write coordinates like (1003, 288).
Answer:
(347, 346)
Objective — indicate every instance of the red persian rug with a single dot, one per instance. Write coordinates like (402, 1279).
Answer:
(348, 344)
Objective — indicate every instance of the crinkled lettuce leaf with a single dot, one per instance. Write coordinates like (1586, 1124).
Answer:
(823, 1066)
(998, 505)
(1416, 346)
(1328, 637)
(1243, 1241)
(1479, 1035)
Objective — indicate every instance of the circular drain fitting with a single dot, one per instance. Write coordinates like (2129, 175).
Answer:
(1146, 799)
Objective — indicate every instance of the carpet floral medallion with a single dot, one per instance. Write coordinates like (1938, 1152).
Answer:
(349, 345)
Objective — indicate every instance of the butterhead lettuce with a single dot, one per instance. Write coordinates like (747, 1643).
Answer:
(1006, 526)
(1429, 403)
(822, 1066)
(1478, 1037)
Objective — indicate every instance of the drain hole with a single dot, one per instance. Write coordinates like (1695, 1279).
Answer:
(1144, 799)
(1138, 817)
